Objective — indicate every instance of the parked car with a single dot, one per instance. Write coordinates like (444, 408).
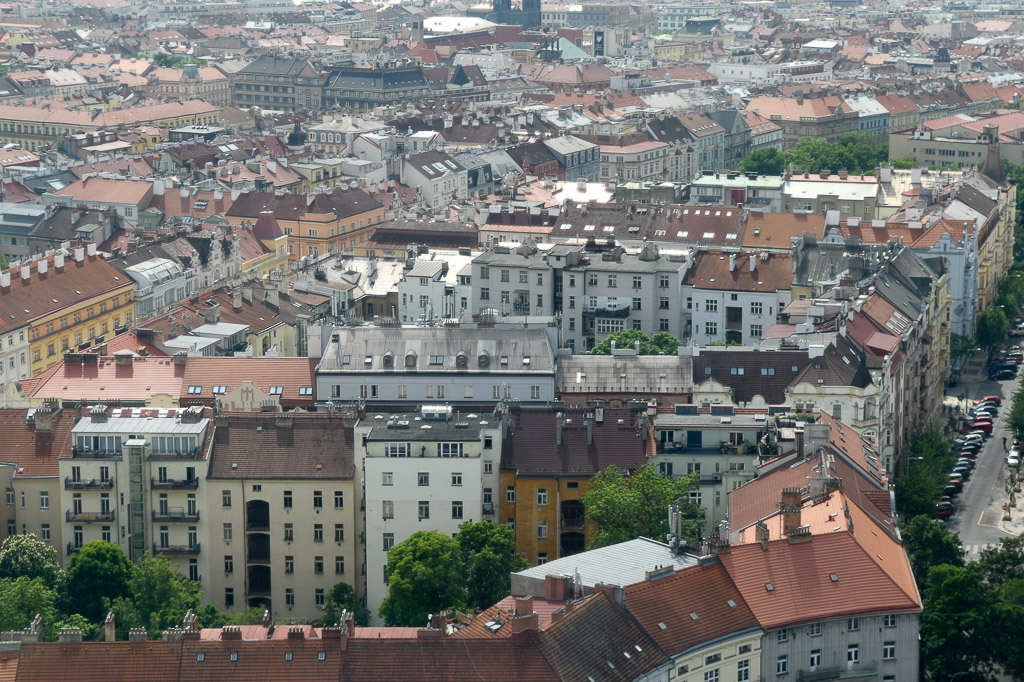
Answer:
(968, 439)
(983, 413)
(943, 510)
(1013, 460)
(971, 446)
(989, 399)
(964, 461)
(950, 491)
(980, 425)
(963, 454)
(964, 471)
(956, 483)
(1002, 375)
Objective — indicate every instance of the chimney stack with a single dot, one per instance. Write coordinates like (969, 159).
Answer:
(109, 631)
(58, 261)
(732, 262)
(273, 297)
(761, 534)
(70, 635)
(523, 606)
(559, 422)
(236, 299)
(791, 499)
(137, 635)
(212, 313)
(753, 262)
(590, 431)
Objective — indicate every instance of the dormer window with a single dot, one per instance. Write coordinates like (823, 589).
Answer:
(461, 360)
(484, 361)
(389, 359)
(410, 360)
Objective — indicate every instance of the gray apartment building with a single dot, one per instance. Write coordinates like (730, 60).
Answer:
(278, 85)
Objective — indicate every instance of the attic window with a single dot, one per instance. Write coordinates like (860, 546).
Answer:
(461, 360)
(483, 360)
(321, 655)
(526, 360)
(220, 389)
(834, 577)
(709, 235)
(200, 657)
(694, 617)
(288, 656)
(368, 360)
(195, 390)
(504, 361)
(389, 360)
(410, 360)
(662, 626)
(345, 359)
(769, 587)
(276, 390)
(437, 359)
(234, 657)
(305, 390)
(731, 604)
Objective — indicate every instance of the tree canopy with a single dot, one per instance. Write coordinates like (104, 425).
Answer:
(28, 556)
(625, 507)
(857, 152)
(342, 597)
(928, 544)
(159, 596)
(993, 327)
(957, 609)
(425, 575)
(921, 483)
(489, 557)
(661, 343)
(96, 576)
(766, 161)
(22, 598)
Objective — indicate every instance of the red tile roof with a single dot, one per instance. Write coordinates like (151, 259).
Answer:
(99, 661)
(316, 446)
(35, 453)
(260, 661)
(710, 270)
(263, 373)
(704, 590)
(531, 448)
(134, 383)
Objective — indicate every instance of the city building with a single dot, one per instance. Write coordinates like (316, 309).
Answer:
(297, 85)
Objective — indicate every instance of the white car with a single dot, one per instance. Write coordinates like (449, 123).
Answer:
(1013, 459)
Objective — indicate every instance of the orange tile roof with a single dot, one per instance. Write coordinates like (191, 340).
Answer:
(710, 270)
(135, 383)
(704, 590)
(35, 453)
(108, 190)
(99, 661)
(289, 373)
(773, 230)
(8, 666)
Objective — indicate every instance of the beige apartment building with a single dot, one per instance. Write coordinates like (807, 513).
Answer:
(284, 517)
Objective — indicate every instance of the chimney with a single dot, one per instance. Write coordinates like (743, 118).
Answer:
(5, 281)
(732, 262)
(753, 262)
(521, 624)
(618, 594)
(296, 632)
(172, 329)
(109, 631)
(284, 420)
(230, 632)
(719, 547)
(556, 587)
(439, 621)
(43, 266)
(247, 294)
(174, 634)
(79, 254)
(799, 534)
(43, 418)
(181, 358)
(429, 633)
(139, 635)
(523, 606)
(212, 313)
(236, 299)
(90, 249)
(58, 261)
(761, 534)
(791, 498)
(590, 431)
(273, 298)
(124, 358)
(26, 271)
(559, 422)
(70, 635)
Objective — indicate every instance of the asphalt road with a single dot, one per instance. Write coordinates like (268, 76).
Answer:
(979, 517)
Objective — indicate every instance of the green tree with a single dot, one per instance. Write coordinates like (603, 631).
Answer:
(340, 598)
(26, 555)
(73, 621)
(958, 609)
(766, 161)
(489, 558)
(21, 599)
(161, 594)
(929, 543)
(924, 477)
(661, 343)
(1007, 617)
(426, 576)
(993, 327)
(253, 615)
(625, 507)
(960, 345)
(904, 163)
(96, 576)
(1004, 562)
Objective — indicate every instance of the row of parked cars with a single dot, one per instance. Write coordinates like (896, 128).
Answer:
(1004, 367)
(967, 448)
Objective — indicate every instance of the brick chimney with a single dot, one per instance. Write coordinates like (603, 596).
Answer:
(761, 534)
(296, 632)
(181, 358)
(139, 635)
(523, 606)
(790, 505)
(109, 631)
(43, 418)
(521, 624)
(229, 632)
(556, 587)
(799, 534)
(429, 633)
(124, 358)
(212, 313)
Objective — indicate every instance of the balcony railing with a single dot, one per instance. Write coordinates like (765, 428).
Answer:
(258, 557)
(257, 526)
(180, 484)
(88, 517)
(176, 515)
(573, 522)
(177, 550)
(607, 310)
(850, 672)
(93, 454)
(87, 484)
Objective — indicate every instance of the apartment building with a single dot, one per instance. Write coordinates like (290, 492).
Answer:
(597, 288)
(207, 83)
(734, 297)
(429, 470)
(128, 198)
(365, 88)
(60, 302)
(278, 85)
(549, 457)
(439, 178)
(134, 477)
(646, 160)
(33, 441)
(284, 521)
(718, 444)
(417, 364)
(436, 286)
(824, 117)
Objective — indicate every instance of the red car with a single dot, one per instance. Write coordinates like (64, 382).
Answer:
(959, 485)
(980, 425)
(943, 510)
(989, 398)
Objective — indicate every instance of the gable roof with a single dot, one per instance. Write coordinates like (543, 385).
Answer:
(447, 658)
(35, 453)
(722, 366)
(710, 271)
(290, 374)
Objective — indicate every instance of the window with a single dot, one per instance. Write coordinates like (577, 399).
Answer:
(612, 281)
(542, 496)
(287, 499)
(318, 565)
(782, 665)
(339, 499)
(815, 630)
(488, 466)
(229, 597)
(889, 651)
(225, 498)
(44, 499)
(449, 449)
(289, 597)
(711, 675)
(711, 328)
(510, 494)
(388, 509)
(387, 478)
(318, 532)
(756, 331)
(542, 530)
(456, 479)
(396, 449)
(424, 509)
(339, 565)
(424, 478)
(227, 532)
(783, 635)
(289, 564)
(853, 624)
(756, 308)
(609, 326)
(289, 532)
(10, 493)
(229, 563)
(318, 499)
(743, 671)
(456, 509)
(318, 596)
(637, 304)
(853, 653)
(711, 305)
(45, 532)
(663, 281)
(890, 620)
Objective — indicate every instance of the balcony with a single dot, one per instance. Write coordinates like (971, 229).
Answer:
(613, 308)
(176, 515)
(867, 669)
(572, 522)
(87, 484)
(257, 526)
(177, 550)
(93, 454)
(171, 484)
(73, 548)
(255, 557)
(88, 517)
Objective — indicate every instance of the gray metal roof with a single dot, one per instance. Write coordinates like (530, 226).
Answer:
(623, 564)
(651, 374)
(151, 426)
(386, 349)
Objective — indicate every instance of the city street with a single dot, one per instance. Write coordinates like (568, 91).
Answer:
(979, 517)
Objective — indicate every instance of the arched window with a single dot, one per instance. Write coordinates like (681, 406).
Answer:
(410, 360)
